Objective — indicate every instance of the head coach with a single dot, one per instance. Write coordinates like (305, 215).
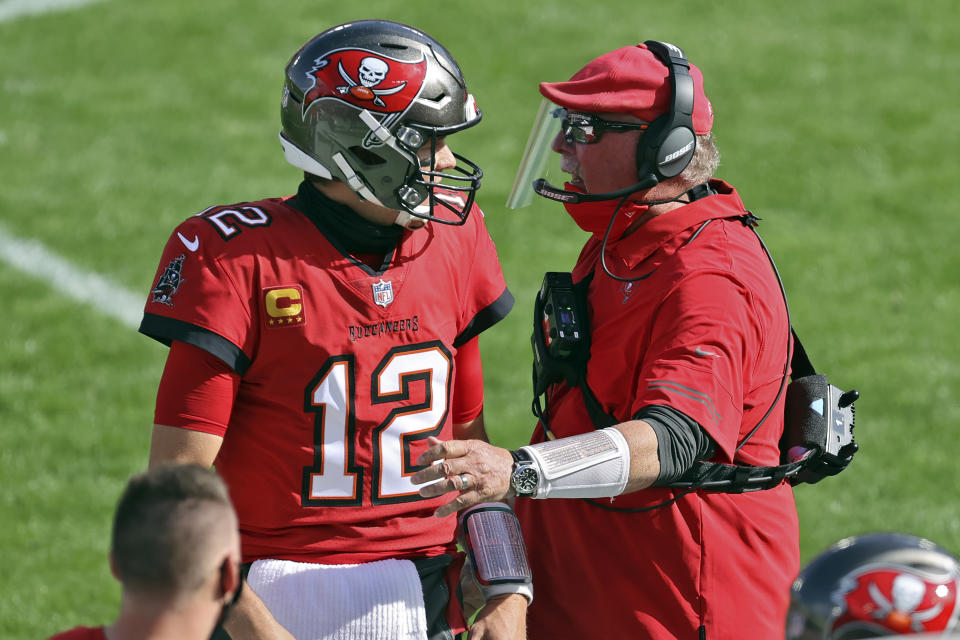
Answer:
(686, 360)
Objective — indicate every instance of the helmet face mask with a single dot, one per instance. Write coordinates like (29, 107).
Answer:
(370, 103)
(874, 585)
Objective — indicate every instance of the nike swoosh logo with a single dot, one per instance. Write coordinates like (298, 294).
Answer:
(701, 352)
(192, 245)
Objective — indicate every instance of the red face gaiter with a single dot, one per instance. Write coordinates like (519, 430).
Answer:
(595, 216)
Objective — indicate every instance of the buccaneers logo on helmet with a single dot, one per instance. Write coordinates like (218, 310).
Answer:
(895, 599)
(366, 80)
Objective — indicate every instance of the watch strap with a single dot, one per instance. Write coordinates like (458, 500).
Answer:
(519, 455)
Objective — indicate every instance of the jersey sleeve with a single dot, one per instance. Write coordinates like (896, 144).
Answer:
(487, 300)
(201, 296)
(197, 391)
(704, 342)
(467, 383)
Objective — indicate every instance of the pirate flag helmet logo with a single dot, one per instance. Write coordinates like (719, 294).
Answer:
(371, 104)
(875, 585)
(367, 80)
(895, 599)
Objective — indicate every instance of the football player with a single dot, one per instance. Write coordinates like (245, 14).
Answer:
(318, 340)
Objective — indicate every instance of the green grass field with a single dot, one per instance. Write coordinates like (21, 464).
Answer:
(119, 119)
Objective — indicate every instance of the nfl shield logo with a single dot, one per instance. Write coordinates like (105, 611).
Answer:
(383, 292)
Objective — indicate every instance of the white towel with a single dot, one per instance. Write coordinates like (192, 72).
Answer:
(371, 601)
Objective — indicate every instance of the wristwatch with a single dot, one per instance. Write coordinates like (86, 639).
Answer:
(526, 475)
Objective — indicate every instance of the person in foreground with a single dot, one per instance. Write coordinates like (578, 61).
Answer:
(874, 585)
(318, 340)
(176, 551)
(689, 351)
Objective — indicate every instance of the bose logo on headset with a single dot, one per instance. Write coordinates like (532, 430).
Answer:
(676, 154)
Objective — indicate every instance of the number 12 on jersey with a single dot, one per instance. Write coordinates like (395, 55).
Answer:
(335, 478)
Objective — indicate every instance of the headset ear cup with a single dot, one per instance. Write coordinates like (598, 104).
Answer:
(648, 148)
(675, 152)
(667, 146)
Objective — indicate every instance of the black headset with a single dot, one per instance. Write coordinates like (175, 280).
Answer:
(668, 144)
(665, 148)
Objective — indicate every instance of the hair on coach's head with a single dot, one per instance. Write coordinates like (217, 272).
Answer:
(704, 162)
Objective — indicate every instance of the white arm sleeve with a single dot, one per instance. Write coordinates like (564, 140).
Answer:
(589, 465)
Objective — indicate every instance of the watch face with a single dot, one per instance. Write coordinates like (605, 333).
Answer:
(525, 481)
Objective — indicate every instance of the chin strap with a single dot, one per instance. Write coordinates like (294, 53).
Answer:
(354, 181)
(407, 221)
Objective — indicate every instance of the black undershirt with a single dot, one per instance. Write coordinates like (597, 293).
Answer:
(344, 227)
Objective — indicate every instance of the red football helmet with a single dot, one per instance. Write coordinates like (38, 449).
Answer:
(878, 584)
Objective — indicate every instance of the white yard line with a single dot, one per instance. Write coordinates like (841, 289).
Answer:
(86, 287)
(13, 9)
(34, 259)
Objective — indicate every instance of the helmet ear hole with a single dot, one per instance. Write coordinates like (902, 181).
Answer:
(367, 157)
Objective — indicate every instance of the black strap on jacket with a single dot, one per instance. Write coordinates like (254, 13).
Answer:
(716, 476)
(735, 478)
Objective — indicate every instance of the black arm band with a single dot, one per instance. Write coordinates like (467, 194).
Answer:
(680, 441)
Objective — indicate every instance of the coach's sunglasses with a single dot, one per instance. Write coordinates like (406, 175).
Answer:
(586, 128)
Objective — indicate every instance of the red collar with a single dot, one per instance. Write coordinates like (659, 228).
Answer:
(658, 231)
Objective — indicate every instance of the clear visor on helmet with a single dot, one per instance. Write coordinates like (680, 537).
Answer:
(539, 160)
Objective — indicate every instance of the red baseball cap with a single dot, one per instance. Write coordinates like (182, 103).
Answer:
(628, 80)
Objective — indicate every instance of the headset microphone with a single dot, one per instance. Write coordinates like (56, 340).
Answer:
(547, 190)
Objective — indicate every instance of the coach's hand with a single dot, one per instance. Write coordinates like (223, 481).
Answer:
(478, 471)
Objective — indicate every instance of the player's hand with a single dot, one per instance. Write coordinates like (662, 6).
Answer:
(472, 599)
(249, 619)
(484, 468)
(502, 618)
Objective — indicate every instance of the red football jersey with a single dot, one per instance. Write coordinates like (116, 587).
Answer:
(703, 328)
(346, 371)
(81, 633)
